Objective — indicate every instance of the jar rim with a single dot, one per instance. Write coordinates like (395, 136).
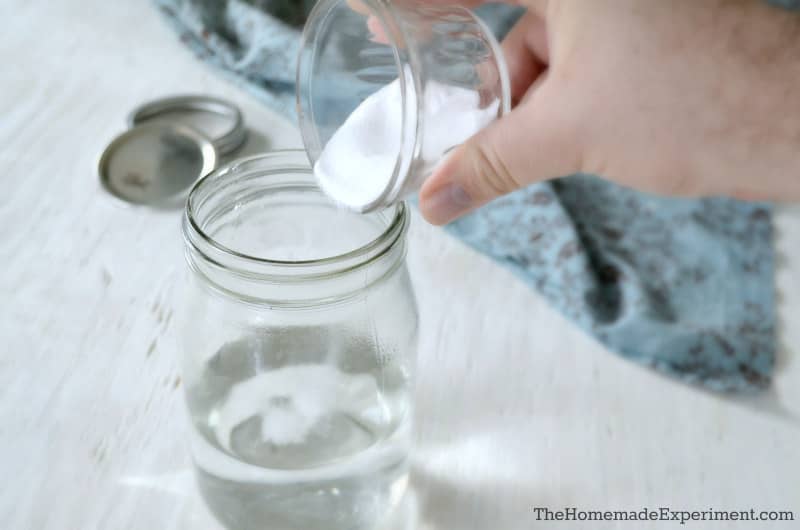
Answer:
(196, 236)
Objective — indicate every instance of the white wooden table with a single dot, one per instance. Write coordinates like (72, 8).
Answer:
(517, 408)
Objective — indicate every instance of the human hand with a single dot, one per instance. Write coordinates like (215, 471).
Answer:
(678, 98)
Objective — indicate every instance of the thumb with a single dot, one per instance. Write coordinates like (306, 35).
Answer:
(528, 145)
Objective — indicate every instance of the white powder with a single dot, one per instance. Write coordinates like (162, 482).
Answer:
(292, 400)
(357, 163)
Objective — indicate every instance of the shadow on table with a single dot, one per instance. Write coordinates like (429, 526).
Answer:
(255, 144)
(770, 401)
(484, 505)
(436, 504)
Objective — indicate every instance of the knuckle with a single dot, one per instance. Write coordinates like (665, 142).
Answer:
(491, 173)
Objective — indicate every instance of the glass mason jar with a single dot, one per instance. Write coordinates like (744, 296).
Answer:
(429, 56)
(299, 344)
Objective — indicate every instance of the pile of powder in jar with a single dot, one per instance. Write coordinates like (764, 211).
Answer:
(358, 162)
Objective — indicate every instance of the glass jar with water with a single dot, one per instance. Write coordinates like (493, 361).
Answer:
(299, 337)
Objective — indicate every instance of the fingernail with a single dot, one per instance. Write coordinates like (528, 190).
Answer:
(446, 204)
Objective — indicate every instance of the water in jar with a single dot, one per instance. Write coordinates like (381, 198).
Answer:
(301, 427)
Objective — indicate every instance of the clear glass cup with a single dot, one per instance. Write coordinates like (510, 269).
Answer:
(299, 331)
(352, 48)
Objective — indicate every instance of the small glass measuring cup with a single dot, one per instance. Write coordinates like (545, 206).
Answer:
(353, 48)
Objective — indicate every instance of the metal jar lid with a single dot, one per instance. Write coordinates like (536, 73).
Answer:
(216, 119)
(156, 163)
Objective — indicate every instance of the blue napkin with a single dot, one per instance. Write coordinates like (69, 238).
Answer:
(683, 286)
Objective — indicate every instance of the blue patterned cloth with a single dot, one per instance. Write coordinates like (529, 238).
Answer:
(683, 286)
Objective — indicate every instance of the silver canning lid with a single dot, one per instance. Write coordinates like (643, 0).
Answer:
(155, 164)
(216, 119)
